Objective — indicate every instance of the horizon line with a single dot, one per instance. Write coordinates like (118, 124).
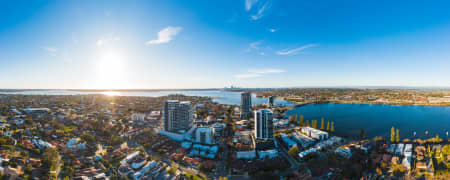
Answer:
(290, 87)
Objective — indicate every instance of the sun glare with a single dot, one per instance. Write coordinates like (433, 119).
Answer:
(111, 93)
(111, 71)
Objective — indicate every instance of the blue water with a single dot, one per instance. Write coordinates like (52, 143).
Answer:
(377, 120)
(222, 97)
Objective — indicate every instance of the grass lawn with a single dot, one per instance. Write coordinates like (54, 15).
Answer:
(193, 176)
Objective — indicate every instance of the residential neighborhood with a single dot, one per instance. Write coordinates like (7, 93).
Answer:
(188, 137)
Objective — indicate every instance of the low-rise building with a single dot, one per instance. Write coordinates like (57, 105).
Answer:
(289, 142)
(246, 154)
(315, 133)
(304, 153)
(268, 154)
(344, 151)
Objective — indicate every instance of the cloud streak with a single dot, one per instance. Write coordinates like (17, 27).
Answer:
(253, 73)
(266, 71)
(254, 46)
(296, 50)
(103, 41)
(165, 36)
(249, 4)
(260, 13)
(51, 51)
(245, 76)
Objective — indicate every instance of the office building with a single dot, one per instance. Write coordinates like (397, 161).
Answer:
(263, 124)
(177, 116)
(246, 104)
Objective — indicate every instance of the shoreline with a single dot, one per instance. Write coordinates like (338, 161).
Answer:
(368, 103)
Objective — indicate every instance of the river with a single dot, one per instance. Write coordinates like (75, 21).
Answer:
(222, 97)
(377, 120)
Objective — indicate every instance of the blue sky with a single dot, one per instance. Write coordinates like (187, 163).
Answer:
(200, 44)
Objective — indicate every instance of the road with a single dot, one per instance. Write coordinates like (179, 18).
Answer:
(294, 164)
(58, 167)
(222, 166)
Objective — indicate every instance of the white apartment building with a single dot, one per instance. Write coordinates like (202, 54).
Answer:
(204, 135)
(263, 124)
(315, 133)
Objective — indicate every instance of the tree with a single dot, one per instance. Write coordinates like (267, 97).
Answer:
(88, 138)
(200, 167)
(332, 127)
(363, 134)
(322, 124)
(203, 168)
(50, 157)
(314, 124)
(307, 123)
(398, 136)
(392, 134)
(328, 125)
(293, 152)
(437, 138)
(302, 120)
(379, 172)
(109, 149)
(293, 119)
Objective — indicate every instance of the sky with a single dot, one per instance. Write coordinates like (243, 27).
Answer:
(211, 44)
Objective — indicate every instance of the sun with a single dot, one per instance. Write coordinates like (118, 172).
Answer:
(110, 74)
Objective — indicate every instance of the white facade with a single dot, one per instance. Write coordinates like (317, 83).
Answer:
(263, 124)
(304, 153)
(302, 139)
(218, 128)
(204, 135)
(177, 116)
(315, 133)
(138, 117)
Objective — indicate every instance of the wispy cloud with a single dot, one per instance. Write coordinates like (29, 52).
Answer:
(254, 45)
(166, 35)
(253, 73)
(260, 13)
(257, 47)
(99, 43)
(266, 71)
(296, 50)
(249, 4)
(106, 40)
(245, 76)
(51, 51)
(272, 30)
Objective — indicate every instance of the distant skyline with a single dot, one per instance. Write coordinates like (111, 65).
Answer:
(178, 44)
